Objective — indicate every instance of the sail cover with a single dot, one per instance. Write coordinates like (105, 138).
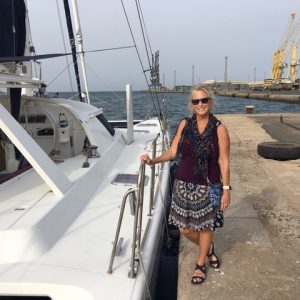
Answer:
(12, 28)
(13, 39)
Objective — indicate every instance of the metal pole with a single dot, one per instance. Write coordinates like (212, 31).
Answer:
(80, 47)
(109, 271)
(193, 75)
(137, 225)
(141, 182)
(152, 180)
(174, 80)
(130, 130)
(65, 48)
(225, 73)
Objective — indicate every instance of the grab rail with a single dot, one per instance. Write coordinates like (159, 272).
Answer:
(113, 253)
(164, 117)
(138, 199)
(137, 227)
(138, 218)
(152, 179)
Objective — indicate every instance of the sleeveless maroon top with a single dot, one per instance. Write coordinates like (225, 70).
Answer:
(186, 169)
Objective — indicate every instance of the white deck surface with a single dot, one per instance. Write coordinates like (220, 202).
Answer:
(54, 245)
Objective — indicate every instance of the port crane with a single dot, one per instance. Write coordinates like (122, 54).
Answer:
(294, 61)
(287, 49)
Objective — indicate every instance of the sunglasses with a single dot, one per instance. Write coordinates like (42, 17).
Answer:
(203, 101)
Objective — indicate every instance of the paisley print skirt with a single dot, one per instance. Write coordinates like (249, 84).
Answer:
(191, 207)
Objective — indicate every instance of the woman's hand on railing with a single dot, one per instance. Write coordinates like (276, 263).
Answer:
(146, 159)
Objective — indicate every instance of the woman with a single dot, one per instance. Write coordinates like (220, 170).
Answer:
(203, 144)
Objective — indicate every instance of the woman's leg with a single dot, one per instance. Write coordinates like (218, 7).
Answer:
(190, 234)
(194, 236)
(205, 240)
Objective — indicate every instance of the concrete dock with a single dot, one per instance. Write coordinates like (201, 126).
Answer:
(279, 96)
(259, 245)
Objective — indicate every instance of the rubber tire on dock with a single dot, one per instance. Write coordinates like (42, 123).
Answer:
(278, 150)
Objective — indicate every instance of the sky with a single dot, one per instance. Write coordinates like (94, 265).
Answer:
(187, 33)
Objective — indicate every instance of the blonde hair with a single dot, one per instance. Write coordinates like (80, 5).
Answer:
(196, 89)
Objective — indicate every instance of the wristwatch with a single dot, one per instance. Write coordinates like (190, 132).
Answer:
(227, 187)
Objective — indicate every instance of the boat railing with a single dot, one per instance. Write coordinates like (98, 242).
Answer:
(164, 117)
(138, 220)
(152, 178)
(137, 196)
(131, 192)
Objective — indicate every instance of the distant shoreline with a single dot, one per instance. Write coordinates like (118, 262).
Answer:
(165, 92)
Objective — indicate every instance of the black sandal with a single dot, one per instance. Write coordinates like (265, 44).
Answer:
(196, 279)
(213, 263)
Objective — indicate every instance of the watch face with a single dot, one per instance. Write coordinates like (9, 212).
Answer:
(227, 187)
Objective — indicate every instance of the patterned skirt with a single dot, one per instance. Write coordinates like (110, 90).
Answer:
(191, 207)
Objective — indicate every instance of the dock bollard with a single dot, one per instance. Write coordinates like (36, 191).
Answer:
(249, 109)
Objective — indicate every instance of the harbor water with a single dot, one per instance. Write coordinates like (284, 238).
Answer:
(114, 105)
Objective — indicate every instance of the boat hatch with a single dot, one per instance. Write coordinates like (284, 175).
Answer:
(147, 125)
(128, 179)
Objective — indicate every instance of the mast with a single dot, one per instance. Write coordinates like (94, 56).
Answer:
(80, 47)
(73, 47)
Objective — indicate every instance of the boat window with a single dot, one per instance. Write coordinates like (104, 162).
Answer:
(33, 119)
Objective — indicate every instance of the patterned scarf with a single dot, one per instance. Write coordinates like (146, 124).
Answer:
(201, 142)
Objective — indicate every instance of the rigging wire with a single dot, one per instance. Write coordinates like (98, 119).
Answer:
(104, 101)
(138, 8)
(60, 73)
(147, 36)
(74, 96)
(139, 57)
(34, 65)
(108, 49)
(98, 77)
(64, 43)
(92, 96)
(143, 25)
(72, 42)
(52, 55)
(133, 39)
(111, 105)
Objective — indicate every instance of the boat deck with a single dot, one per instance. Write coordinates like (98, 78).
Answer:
(72, 235)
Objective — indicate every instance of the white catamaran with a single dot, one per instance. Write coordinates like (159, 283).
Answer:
(80, 216)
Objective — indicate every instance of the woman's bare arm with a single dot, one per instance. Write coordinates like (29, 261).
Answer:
(171, 152)
(224, 146)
